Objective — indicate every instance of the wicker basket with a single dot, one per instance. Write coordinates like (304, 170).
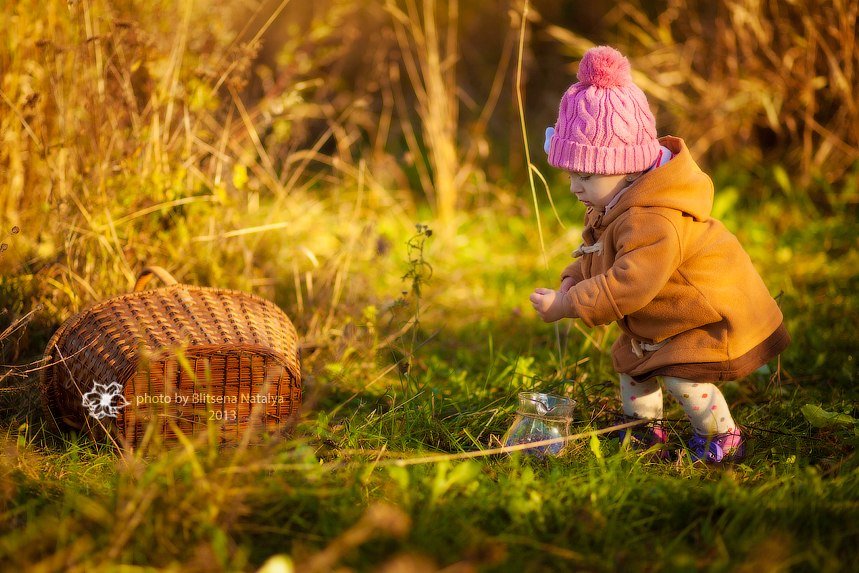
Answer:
(182, 355)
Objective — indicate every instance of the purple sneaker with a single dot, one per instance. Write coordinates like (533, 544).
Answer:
(727, 447)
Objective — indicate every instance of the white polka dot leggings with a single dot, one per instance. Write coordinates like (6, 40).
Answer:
(703, 402)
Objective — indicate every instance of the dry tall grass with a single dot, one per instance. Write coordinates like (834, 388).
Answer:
(108, 119)
(132, 135)
(123, 122)
(430, 61)
(754, 81)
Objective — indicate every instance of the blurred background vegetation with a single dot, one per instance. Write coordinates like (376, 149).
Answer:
(273, 145)
(289, 147)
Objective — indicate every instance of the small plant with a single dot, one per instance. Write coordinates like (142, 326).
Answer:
(419, 272)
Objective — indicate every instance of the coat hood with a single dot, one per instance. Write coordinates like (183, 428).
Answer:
(679, 184)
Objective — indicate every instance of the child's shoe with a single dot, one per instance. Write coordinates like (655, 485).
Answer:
(644, 436)
(727, 447)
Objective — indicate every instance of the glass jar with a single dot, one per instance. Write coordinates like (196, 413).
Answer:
(540, 417)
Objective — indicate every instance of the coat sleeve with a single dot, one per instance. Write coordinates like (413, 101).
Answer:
(573, 270)
(648, 252)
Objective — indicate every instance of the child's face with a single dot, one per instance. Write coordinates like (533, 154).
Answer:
(596, 190)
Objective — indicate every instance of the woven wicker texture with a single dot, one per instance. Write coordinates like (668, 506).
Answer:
(183, 353)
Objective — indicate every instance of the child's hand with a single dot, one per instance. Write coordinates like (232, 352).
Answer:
(550, 304)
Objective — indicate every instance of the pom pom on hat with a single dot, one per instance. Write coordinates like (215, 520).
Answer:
(604, 67)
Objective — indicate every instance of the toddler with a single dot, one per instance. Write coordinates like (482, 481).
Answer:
(690, 305)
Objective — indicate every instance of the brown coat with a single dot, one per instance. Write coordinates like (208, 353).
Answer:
(682, 289)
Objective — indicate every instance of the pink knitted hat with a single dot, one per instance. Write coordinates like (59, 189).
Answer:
(604, 123)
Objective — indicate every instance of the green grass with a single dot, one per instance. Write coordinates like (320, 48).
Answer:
(341, 491)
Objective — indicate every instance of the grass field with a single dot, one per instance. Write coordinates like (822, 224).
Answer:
(414, 344)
